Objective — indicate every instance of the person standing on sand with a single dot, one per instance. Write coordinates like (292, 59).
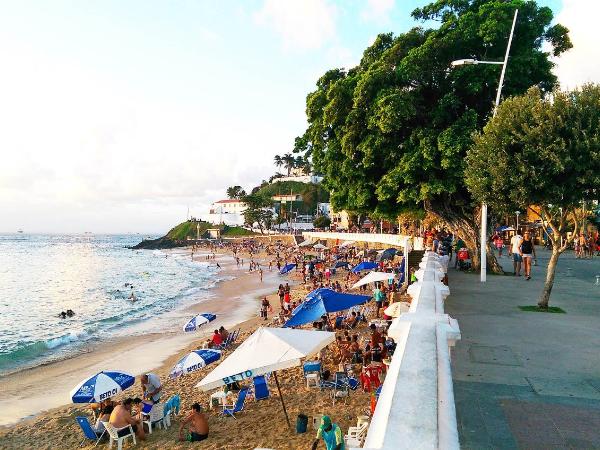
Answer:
(261, 273)
(264, 308)
(331, 433)
(151, 387)
(197, 424)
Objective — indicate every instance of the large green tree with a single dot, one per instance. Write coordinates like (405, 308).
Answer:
(541, 150)
(390, 135)
(235, 192)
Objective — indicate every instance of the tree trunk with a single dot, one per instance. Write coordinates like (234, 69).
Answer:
(550, 273)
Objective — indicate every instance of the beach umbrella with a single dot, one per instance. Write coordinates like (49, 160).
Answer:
(285, 269)
(194, 361)
(347, 244)
(101, 386)
(388, 253)
(267, 350)
(341, 264)
(305, 243)
(396, 309)
(319, 247)
(199, 320)
(365, 265)
(323, 301)
(373, 277)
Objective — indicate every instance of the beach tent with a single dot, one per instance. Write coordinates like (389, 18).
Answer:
(365, 265)
(306, 243)
(373, 277)
(396, 309)
(267, 350)
(347, 244)
(319, 247)
(198, 320)
(322, 301)
(194, 361)
(285, 269)
(101, 386)
(388, 253)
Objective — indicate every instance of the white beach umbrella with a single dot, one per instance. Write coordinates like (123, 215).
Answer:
(101, 386)
(372, 277)
(347, 243)
(267, 350)
(319, 246)
(397, 309)
(305, 243)
(198, 320)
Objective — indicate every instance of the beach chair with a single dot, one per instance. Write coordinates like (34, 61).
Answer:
(261, 388)
(113, 433)
(155, 417)
(312, 373)
(88, 431)
(171, 406)
(239, 404)
(228, 341)
(341, 386)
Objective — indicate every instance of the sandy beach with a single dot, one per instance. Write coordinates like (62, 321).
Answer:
(261, 424)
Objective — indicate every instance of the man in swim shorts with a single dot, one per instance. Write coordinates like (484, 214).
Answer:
(197, 425)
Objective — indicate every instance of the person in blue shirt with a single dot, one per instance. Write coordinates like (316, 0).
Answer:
(331, 434)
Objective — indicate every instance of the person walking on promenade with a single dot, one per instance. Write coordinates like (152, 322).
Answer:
(459, 244)
(515, 244)
(527, 251)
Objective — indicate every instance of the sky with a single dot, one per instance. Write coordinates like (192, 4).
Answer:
(116, 116)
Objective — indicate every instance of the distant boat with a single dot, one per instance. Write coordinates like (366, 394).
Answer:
(20, 231)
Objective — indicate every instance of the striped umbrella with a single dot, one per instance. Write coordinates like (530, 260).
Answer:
(199, 320)
(101, 386)
(194, 361)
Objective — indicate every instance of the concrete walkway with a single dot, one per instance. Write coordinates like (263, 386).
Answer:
(528, 380)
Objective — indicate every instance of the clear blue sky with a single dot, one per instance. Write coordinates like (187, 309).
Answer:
(118, 115)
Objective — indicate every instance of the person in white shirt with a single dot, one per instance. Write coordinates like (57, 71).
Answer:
(515, 244)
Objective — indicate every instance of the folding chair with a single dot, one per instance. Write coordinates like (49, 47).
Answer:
(239, 404)
(261, 388)
(88, 431)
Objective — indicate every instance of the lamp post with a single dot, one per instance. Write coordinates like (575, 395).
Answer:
(470, 62)
(517, 213)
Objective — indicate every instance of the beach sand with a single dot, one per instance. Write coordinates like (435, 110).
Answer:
(261, 424)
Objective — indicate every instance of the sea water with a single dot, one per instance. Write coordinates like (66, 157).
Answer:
(42, 275)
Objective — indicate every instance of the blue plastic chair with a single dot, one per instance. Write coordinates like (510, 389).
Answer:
(88, 431)
(261, 389)
(239, 404)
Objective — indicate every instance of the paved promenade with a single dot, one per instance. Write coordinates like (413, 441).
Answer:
(528, 380)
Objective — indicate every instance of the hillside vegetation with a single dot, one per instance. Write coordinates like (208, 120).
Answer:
(311, 194)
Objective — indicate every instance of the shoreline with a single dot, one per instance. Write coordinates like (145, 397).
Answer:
(29, 392)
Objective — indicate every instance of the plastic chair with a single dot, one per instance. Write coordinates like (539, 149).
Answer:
(261, 389)
(239, 404)
(155, 417)
(88, 430)
(312, 373)
(341, 386)
(114, 435)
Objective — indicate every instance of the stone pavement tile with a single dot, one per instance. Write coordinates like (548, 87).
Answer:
(581, 444)
(499, 355)
(507, 443)
(559, 387)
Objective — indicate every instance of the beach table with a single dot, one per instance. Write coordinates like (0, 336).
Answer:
(217, 398)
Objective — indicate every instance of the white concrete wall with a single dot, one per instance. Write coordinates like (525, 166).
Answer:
(395, 240)
(416, 406)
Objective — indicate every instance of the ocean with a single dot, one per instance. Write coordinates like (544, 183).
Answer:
(43, 275)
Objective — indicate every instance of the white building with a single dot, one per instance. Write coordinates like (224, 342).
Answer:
(232, 206)
(315, 179)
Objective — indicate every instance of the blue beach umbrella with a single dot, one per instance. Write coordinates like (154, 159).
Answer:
(285, 269)
(101, 386)
(323, 301)
(341, 264)
(194, 361)
(199, 320)
(388, 253)
(365, 265)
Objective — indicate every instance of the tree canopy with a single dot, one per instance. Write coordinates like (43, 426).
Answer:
(235, 192)
(390, 135)
(541, 150)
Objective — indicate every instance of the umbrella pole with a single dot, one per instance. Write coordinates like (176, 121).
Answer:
(282, 402)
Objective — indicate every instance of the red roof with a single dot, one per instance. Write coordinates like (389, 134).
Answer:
(229, 201)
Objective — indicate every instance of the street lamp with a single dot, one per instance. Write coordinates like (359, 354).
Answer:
(517, 213)
(471, 62)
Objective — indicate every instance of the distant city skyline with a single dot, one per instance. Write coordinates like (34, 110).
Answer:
(118, 116)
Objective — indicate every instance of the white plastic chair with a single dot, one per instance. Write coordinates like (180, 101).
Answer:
(114, 435)
(155, 417)
(356, 435)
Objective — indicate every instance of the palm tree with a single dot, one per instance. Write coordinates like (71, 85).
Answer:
(278, 161)
(288, 161)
